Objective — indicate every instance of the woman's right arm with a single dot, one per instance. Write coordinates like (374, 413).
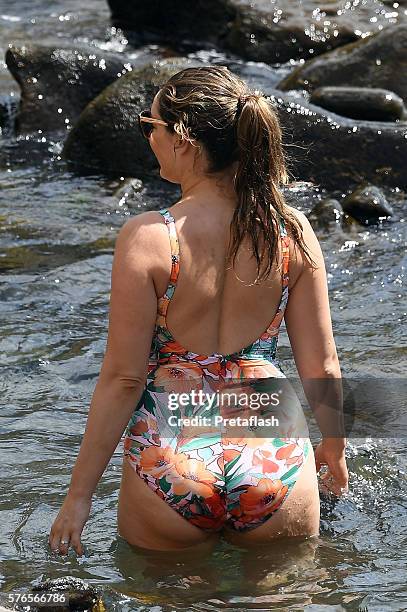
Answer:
(309, 327)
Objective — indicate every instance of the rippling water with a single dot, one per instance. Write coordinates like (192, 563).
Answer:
(57, 235)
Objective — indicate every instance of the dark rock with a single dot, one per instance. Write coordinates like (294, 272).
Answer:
(8, 107)
(323, 147)
(326, 212)
(380, 59)
(335, 151)
(63, 77)
(257, 30)
(361, 103)
(199, 22)
(106, 138)
(262, 35)
(367, 204)
(79, 595)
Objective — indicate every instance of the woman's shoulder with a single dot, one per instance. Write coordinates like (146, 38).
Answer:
(298, 214)
(143, 233)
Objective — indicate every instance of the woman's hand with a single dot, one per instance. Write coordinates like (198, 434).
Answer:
(69, 524)
(331, 452)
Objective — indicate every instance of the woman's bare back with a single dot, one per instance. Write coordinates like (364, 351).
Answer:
(212, 311)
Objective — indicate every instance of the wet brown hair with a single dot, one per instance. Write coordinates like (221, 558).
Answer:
(213, 107)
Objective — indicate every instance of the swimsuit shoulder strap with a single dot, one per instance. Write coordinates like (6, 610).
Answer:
(285, 241)
(174, 245)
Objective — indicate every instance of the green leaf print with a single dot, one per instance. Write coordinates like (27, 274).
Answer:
(231, 464)
(290, 483)
(149, 403)
(233, 497)
(200, 442)
(164, 485)
(290, 472)
(177, 498)
(200, 502)
(234, 481)
(278, 442)
(257, 475)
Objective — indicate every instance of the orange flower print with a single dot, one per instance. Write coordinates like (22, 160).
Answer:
(228, 455)
(179, 377)
(142, 426)
(263, 459)
(286, 452)
(127, 444)
(251, 442)
(217, 510)
(190, 475)
(214, 368)
(263, 498)
(157, 461)
(256, 368)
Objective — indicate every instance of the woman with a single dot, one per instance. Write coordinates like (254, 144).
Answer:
(222, 144)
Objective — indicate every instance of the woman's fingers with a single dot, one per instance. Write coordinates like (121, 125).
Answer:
(336, 478)
(77, 544)
(61, 544)
(67, 528)
(54, 540)
(339, 471)
(64, 543)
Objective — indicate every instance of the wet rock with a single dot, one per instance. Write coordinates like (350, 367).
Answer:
(259, 31)
(335, 151)
(79, 595)
(324, 147)
(361, 103)
(380, 59)
(106, 138)
(367, 204)
(287, 32)
(128, 189)
(198, 22)
(8, 106)
(326, 212)
(62, 77)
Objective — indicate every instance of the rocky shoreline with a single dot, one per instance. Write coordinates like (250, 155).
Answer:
(339, 131)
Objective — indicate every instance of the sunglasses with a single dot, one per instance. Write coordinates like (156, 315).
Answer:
(146, 123)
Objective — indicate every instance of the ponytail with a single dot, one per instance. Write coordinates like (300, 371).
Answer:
(261, 170)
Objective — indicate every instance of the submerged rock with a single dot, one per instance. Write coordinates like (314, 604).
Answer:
(361, 103)
(367, 204)
(106, 138)
(326, 212)
(58, 82)
(379, 60)
(259, 31)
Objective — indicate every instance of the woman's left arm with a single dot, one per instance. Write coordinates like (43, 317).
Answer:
(132, 316)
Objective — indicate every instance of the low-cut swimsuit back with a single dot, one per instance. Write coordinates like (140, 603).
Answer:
(213, 479)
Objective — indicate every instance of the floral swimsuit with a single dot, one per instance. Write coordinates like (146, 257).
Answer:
(212, 478)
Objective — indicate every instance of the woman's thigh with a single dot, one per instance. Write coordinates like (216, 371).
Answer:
(298, 515)
(146, 520)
